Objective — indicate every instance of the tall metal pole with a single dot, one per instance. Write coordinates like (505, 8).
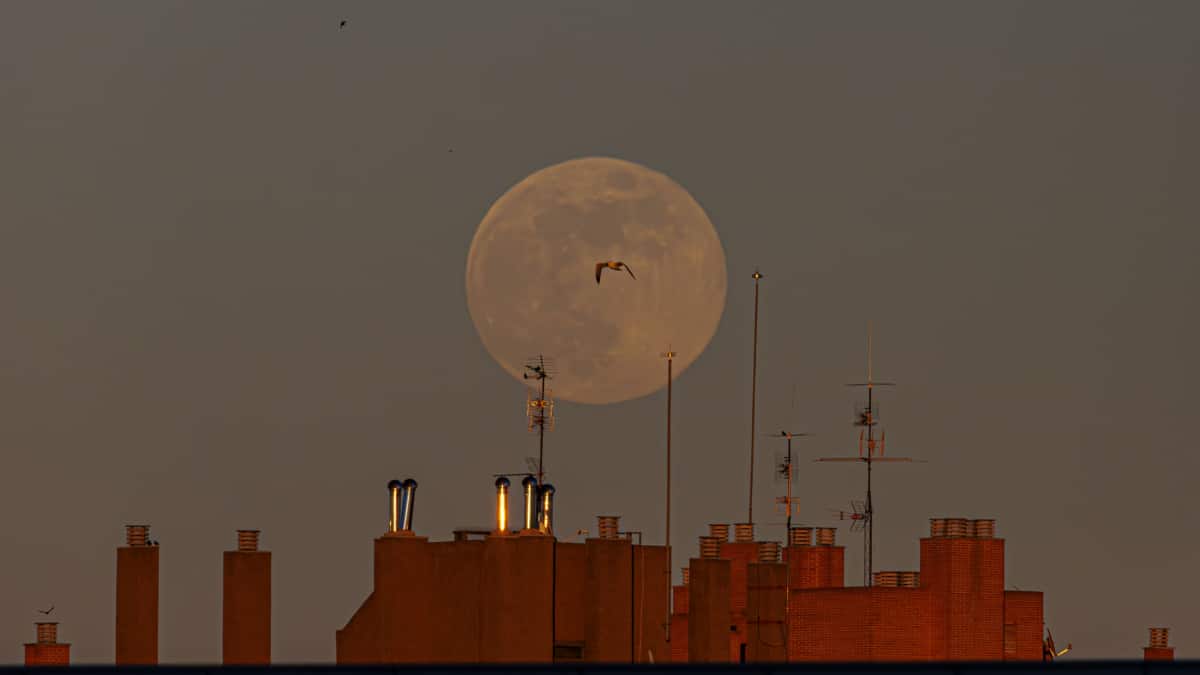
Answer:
(753, 397)
(789, 490)
(870, 457)
(542, 435)
(670, 356)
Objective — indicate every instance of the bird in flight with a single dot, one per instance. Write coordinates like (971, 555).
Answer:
(342, 24)
(47, 611)
(612, 265)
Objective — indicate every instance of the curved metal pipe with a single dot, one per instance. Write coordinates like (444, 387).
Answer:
(408, 498)
(393, 505)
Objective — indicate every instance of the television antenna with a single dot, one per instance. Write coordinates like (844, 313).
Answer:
(857, 515)
(539, 406)
(1049, 651)
(870, 451)
(786, 470)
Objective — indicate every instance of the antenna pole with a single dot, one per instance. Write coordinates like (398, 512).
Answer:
(868, 456)
(540, 410)
(753, 397)
(789, 489)
(670, 356)
(542, 437)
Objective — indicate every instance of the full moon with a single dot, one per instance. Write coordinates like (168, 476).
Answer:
(531, 278)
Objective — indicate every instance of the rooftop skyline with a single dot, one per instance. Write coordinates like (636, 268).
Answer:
(233, 286)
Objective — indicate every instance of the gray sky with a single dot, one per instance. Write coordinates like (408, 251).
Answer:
(231, 280)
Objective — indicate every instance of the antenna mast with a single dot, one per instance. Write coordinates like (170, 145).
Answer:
(787, 468)
(753, 396)
(539, 407)
(669, 355)
(871, 453)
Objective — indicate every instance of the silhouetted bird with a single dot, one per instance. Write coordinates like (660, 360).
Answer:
(342, 24)
(612, 265)
(47, 611)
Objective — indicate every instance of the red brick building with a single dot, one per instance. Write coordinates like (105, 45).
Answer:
(954, 608)
(520, 595)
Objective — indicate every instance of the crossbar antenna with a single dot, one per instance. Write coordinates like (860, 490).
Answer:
(870, 451)
(786, 468)
(539, 406)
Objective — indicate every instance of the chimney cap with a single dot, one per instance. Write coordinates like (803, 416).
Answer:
(409, 483)
(394, 484)
(503, 481)
(529, 480)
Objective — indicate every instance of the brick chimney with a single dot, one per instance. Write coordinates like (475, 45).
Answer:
(137, 598)
(47, 651)
(720, 531)
(246, 610)
(1160, 648)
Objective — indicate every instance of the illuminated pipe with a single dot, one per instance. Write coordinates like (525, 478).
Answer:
(408, 498)
(502, 484)
(393, 505)
(530, 486)
(546, 519)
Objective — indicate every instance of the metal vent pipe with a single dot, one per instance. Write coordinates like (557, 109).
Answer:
(408, 498)
(546, 519)
(530, 486)
(502, 485)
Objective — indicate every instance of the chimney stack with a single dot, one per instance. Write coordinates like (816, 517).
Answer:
(800, 536)
(768, 551)
(710, 547)
(984, 528)
(826, 536)
(720, 531)
(137, 599)
(247, 540)
(937, 528)
(246, 604)
(743, 533)
(1160, 648)
(137, 535)
(957, 528)
(686, 574)
(502, 485)
(47, 651)
(529, 485)
(607, 526)
(546, 520)
(402, 498)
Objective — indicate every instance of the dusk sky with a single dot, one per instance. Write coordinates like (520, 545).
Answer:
(232, 250)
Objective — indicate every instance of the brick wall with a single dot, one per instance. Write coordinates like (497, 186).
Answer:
(56, 654)
(1022, 626)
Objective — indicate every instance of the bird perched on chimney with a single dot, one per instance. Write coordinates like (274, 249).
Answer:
(612, 265)
(47, 611)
